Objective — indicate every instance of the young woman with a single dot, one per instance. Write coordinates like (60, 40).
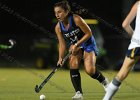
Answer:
(74, 33)
(133, 52)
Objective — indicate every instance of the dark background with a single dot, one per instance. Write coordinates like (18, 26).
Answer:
(31, 21)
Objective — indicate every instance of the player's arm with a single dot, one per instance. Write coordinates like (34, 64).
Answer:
(130, 17)
(62, 44)
(84, 27)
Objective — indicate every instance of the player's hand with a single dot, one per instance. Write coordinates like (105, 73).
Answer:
(60, 62)
(74, 49)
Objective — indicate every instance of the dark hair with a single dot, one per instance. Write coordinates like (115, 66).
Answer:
(64, 5)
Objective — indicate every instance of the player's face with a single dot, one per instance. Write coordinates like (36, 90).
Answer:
(60, 13)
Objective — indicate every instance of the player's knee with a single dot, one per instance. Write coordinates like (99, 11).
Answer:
(73, 64)
(90, 70)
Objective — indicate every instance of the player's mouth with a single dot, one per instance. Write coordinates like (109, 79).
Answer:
(58, 18)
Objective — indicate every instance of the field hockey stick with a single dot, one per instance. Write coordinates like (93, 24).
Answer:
(38, 88)
(12, 43)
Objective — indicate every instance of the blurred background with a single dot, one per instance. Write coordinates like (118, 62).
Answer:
(31, 24)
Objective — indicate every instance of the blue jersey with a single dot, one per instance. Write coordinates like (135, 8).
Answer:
(74, 33)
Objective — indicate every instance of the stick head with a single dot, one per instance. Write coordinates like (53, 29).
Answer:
(12, 42)
(37, 89)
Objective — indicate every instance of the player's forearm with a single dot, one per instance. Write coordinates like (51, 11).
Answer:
(129, 30)
(62, 49)
(83, 39)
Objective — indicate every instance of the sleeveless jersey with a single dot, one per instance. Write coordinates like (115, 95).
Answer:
(135, 41)
(74, 33)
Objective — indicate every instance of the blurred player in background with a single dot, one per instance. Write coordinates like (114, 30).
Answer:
(75, 34)
(133, 52)
(8, 46)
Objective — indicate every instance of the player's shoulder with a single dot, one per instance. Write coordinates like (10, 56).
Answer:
(135, 7)
(77, 19)
(137, 3)
(57, 27)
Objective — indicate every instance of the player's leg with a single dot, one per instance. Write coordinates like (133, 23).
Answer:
(75, 75)
(127, 66)
(122, 74)
(90, 68)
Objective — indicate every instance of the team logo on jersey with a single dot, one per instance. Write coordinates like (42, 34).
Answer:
(73, 35)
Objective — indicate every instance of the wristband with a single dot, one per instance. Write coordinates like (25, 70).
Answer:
(76, 44)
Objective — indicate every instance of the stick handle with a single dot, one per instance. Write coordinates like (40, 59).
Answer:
(37, 89)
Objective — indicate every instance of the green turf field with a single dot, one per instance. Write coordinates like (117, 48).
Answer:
(18, 84)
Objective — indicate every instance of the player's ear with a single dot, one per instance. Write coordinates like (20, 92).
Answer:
(67, 12)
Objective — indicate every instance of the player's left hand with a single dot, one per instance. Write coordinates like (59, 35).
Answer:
(74, 49)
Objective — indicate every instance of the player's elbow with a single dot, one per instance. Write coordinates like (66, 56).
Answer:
(124, 25)
(90, 34)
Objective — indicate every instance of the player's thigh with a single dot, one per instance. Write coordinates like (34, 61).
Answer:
(126, 67)
(132, 55)
(89, 60)
(74, 60)
(129, 62)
